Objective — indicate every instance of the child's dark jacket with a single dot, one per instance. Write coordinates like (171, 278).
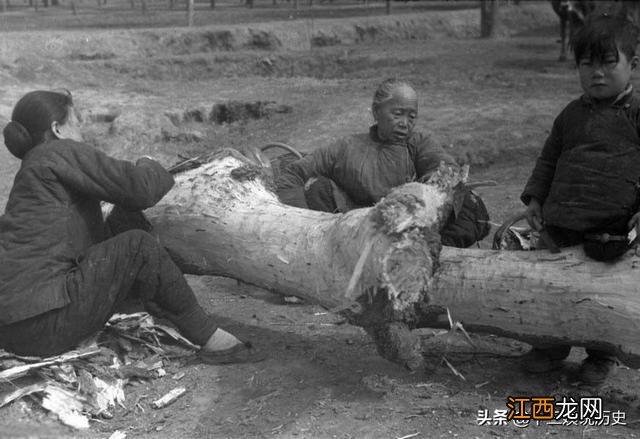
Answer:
(588, 171)
(53, 215)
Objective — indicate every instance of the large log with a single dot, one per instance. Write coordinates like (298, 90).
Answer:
(385, 269)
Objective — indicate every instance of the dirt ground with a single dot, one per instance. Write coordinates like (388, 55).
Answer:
(489, 102)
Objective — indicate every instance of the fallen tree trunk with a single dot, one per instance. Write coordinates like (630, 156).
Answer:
(383, 266)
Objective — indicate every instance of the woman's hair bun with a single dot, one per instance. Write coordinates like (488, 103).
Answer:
(17, 139)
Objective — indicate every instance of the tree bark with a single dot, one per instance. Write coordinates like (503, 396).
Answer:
(385, 269)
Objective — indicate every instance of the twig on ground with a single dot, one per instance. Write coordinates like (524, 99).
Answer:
(453, 369)
(169, 397)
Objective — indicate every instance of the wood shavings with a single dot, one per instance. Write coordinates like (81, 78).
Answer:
(118, 435)
(90, 381)
(66, 405)
(22, 392)
(19, 371)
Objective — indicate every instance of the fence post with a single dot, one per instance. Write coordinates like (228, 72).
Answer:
(190, 13)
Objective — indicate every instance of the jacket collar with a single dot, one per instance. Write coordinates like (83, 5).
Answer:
(618, 101)
(373, 133)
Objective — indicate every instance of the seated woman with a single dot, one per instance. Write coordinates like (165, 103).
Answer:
(61, 275)
(358, 170)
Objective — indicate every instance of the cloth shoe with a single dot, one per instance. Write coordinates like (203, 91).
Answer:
(539, 360)
(240, 353)
(596, 369)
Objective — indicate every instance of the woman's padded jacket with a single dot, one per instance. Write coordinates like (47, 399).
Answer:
(53, 215)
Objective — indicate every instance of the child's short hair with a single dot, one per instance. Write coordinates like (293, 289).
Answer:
(604, 34)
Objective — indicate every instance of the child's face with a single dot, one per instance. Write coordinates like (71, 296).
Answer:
(606, 78)
(396, 117)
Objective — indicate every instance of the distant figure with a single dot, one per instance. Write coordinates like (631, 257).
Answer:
(358, 170)
(585, 186)
(572, 14)
(61, 273)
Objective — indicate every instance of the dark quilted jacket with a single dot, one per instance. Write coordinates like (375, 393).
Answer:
(53, 215)
(363, 166)
(588, 171)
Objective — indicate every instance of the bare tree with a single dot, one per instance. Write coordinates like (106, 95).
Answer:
(388, 7)
(488, 17)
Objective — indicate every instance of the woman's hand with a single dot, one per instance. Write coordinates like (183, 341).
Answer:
(533, 214)
(635, 222)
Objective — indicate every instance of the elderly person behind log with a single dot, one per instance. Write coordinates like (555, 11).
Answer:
(61, 275)
(358, 170)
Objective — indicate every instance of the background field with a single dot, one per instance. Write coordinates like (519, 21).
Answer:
(307, 78)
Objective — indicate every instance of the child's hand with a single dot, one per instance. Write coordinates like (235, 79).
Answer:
(635, 222)
(533, 214)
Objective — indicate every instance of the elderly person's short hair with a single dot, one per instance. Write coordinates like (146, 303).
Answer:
(384, 92)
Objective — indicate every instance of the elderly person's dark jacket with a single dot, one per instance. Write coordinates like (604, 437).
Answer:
(588, 172)
(363, 166)
(53, 215)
